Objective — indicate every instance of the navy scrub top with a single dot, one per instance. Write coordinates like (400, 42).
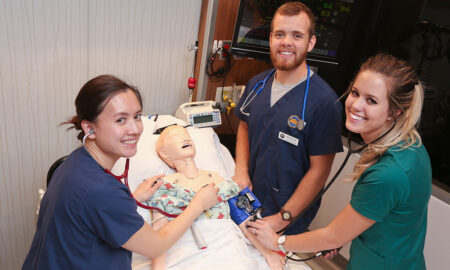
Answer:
(277, 166)
(85, 217)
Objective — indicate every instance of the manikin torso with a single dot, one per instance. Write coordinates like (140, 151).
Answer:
(203, 178)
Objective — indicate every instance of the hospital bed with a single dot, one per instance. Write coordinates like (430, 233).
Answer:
(227, 247)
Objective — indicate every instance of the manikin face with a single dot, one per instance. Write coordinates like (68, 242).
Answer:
(290, 42)
(367, 106)
(178, 144)
(118, 127)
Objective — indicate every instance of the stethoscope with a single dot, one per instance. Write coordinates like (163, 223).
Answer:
(200, 242)
(124, 176)
(350, 151)
(259, 86)
(338, 172)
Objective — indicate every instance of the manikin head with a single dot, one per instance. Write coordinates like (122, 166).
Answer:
(175, 146)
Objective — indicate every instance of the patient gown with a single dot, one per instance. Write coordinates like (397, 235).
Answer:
(227, 247)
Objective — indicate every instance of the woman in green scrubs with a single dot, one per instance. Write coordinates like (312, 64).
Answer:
(386, 218)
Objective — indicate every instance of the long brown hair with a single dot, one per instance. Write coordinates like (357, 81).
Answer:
(405, 95)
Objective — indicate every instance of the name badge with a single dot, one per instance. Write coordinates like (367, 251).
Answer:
(287, 138)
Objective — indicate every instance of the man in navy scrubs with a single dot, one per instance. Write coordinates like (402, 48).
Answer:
(290, 131)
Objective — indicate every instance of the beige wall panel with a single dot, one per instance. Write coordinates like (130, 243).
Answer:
(48, 49)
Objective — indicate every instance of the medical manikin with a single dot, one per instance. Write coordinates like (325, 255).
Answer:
(227, 244)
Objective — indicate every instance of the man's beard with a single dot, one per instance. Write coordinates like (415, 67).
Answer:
(288, 65)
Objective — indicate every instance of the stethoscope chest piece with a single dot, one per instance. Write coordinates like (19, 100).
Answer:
(295, 121)
(301, 124)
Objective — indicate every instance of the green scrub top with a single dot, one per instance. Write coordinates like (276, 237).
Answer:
(394, 192)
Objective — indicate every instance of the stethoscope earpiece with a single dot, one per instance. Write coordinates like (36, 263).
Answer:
(90, 132)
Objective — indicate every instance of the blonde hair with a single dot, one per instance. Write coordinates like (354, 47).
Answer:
(405, 95)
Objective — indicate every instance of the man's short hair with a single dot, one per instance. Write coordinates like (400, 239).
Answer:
(294, 9)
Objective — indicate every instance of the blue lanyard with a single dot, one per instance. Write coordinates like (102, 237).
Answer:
(262, 84)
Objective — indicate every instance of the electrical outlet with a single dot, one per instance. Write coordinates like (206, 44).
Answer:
(227, 91)
(227, 45)
(237, 93)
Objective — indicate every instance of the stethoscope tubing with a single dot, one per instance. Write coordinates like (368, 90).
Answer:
(124, 176)
(338, 172)
(258, 84)
(320, 194)
(262, 84)
(306, 94)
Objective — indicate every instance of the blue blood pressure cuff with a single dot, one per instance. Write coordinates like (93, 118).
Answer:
(243, 206)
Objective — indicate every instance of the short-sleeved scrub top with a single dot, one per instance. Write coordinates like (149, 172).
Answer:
(279, 152)
(172, 199)
(85, 217)
(394, 192)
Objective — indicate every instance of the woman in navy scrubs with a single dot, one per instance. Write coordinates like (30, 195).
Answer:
(88, 219)
(386, 218)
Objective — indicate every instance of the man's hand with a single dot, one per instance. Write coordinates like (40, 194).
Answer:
(276, 222)
(243, 180)
(147, 188)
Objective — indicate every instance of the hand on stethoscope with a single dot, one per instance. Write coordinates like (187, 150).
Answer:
(147, 188)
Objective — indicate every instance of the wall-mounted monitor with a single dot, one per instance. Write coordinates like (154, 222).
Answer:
(252, 29)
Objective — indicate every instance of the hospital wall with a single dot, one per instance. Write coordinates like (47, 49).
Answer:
(48, 50)
(242, 69)
(437, 242)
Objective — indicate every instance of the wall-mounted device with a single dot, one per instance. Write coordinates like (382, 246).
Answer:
(199, 114)
(333, 17)
(375, 24)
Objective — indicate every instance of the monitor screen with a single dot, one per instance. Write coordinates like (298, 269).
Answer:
(203, 119)
(252, 30)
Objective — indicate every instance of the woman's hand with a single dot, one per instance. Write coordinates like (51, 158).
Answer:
(264, 233)
(206, 196)
(147, 188)
(330, 255)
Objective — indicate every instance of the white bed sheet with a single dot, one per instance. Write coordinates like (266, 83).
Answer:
(228, 249)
